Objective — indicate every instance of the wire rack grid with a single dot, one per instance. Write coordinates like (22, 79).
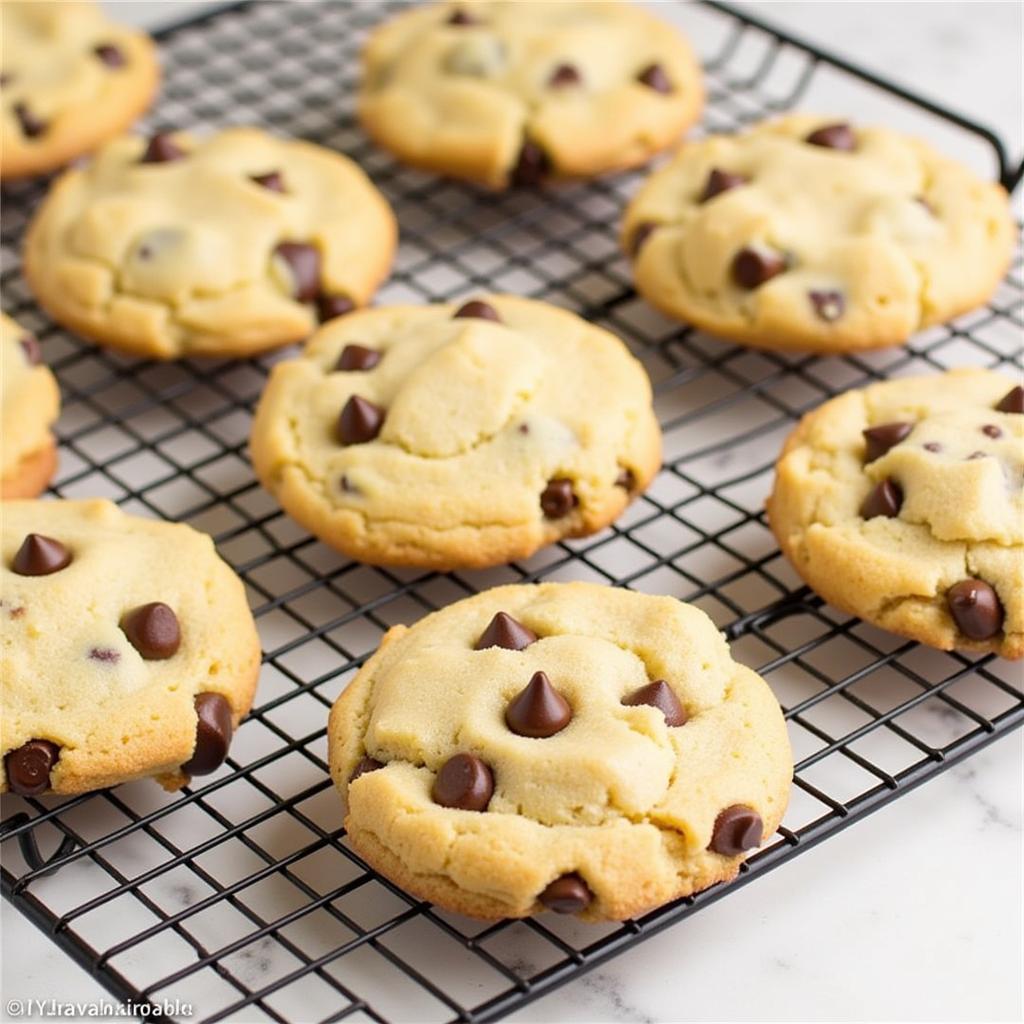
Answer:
(239, 895)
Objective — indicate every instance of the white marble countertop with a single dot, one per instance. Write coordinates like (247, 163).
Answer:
(913, 913)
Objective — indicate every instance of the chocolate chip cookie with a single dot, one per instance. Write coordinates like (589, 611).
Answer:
(902, 503)
(69, 80)
(228, 246)
(816, 234)
(567, 747)
(519, 93)
(129, 649)
(456, 435)
(29, 404)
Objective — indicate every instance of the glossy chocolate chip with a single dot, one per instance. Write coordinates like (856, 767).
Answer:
(360, 421)
(153, 630)
(532, 165)
(504, 631)
(214, 727)
(720, 181)
(834, 136)
(39, 556)
(557, 499)
(538, 710)
(829, 305)
(30, 346)
(272, 180)
(564, 75)
(330, 306)
(111, 55)
(162, 149)
(751, 267)
(883, 437)
(464, 782)
(626, 480)
(1012, 401)
(567, 895)
(885, 499)
(661, 696)
(461, 17)
(364, 765)
(737, 828)
(358, 357)
(991, 430)
(655, 77)
(475, 309)
(303, 263)
(31, 126)
(105, 654)
(641, 233)
(28, 767)
(976, 608)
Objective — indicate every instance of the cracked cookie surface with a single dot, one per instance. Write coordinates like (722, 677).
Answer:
(220, 247)
(128, 649)
(640, 768)
(456, 436)
(810, 234)
(902, 503)
(69, 80)
(519, 92)
(29, 404)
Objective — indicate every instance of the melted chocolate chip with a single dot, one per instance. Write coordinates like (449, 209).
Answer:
(720, 181)
(626, 480)
(661, 696)
(834, 136)
(364, 765)
(641, 233)
(883, 437)
(330, 306)
(538, 710)
(478, 310)
(885, 499)
(360, 421)
(39, 556)
(532, 165)
(461, 17)
(504, 631)
(830, 306)
(31, 126)
(153, 630)
(106, 654)
(464, 782)
(28, 767)
(557, 499)
(751, 268)
(162, 149)
(567, 895)
(976, 609)
(214, 727)
(564, 75)
(1012, 401)
(272, 180)
(110, 54)
(30, 346)
(655, 77)
(303, 262)
(991, 430)
(358, 357)
(737, 828)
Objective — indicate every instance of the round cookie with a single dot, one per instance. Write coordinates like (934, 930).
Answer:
(809, 234)
(129, 649)
(456, 437)
(517, 93)
(223, 247)
(69, 80)
(566, 746)
(902, 503)
(29, 404)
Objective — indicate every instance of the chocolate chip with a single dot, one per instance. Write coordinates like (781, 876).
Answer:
(30, 346)
(110, 54)
(991, 430)
(557, 499)
(1012, 401)
(364, 765)
(885, 499)
(461, 17)
(464, 782)
(28, 768)
(331, 306)
(39, 556)
(477, 310)
(532, 165)
(567, 895)
(932, 446)
(162, 149)
(360, 421)
(830, 306)
(272, 180)
(655, 77)
(214, 727)
(31, 126)
(626, 480)
(883, 437)
(834, 136)
(720, 181)
(564, 75)
(641, 233)
(303, 263)
(538, 710)
(153, 630)
(358, 357)
(107, 654)
(661, 696)
(737, 828)
(975, 608)
(504, 631)
(751, 267)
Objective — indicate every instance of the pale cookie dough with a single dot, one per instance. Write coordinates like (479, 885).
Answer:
(224, 247)
(639, 767)
(902, 503)
(29, 404)
(128, 649)
(809, 233)
(69, 80)
(456, 436)
(515, 93)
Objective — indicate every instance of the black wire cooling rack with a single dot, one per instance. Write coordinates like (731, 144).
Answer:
(239, 895)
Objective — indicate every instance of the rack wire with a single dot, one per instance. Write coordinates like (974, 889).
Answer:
(240, 895)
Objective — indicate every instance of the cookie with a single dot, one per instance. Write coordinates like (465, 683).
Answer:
(456, 436)
(228, 246)
(812, 234)
(70, 79)
(902, 503)
(563, 746)
(29, 404)
(505, 93)
(128, 649)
